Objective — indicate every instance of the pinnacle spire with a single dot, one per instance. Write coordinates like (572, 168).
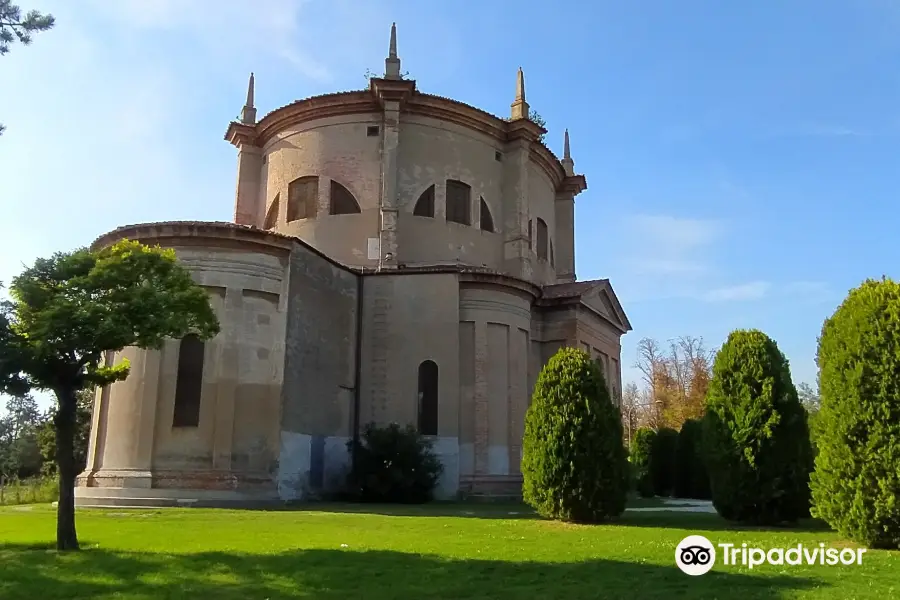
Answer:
(248, 113)
(567, 162)
(392, 62)
(392, 52)
(520, 85)
(520, 109)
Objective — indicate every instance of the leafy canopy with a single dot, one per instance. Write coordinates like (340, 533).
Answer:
(856, 482)
(68, 310)
(755, 434)
(574, 463)
(14, 26)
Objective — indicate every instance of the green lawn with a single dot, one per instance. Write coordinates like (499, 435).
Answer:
(439, 551)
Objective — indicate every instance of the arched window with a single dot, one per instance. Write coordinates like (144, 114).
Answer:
(428, 398)
(189, 383)
(425, 204)
(487, 221)
(459, 202)
(542, 239)
(342, 201)
(303, 198)
(272, 215)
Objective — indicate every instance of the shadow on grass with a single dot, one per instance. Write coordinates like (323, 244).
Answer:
(28, 572)
(479, 510)
(475, 510)
(712, 522)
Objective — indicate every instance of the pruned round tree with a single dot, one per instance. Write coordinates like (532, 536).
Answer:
(574, 462)
(856, 482)
(755, 435)
(69, 310)
(641, 450)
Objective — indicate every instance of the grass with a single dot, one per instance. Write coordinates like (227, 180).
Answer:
(448, 551)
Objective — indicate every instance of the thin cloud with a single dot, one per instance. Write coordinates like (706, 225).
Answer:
(754, 290)
(676, 233)
(231, 28)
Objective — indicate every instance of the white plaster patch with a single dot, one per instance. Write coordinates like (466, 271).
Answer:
(293, 465)
(498, 460)
(337, 462)
(467, 459)
(448, 451)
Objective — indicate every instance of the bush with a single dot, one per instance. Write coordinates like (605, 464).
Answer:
(662, 461)
(574, 464)
(29, 491)
(755, 435)
(641, 449)
(393, 464)
(691, 480)
(856, 483)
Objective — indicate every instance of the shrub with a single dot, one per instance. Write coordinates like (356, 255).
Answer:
(641, 449)
(393, 464)
(662, 461)
(574, 464)
(29, 491)
(856, 483)
(691, 480)
(755, 435)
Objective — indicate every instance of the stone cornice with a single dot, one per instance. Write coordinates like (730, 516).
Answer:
(392, 90)
(240, 134)
(212, 234)
(573, 185)
(412, 102)
(224, 234)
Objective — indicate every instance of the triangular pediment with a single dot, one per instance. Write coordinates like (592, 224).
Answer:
(601, 299)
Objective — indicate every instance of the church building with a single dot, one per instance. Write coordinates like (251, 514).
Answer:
(395, 256)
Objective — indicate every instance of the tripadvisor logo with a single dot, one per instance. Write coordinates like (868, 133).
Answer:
(696, 555)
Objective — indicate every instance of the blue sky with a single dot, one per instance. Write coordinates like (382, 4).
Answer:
(742, 157)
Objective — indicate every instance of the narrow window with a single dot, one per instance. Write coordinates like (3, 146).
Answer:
(425, 204)
(303, 198)
(552, 263)
(428, 398)
(487, 221)
(459, 202)
(530, 233)
(542, 239)
(272, 215)
(189, 383)
(342, 201)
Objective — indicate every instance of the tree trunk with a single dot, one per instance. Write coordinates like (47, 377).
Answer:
(66, 538)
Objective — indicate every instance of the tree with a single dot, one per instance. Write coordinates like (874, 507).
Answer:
(809, 398)
(675, 379)
(46, 435)
(856, 482)
(574, 465)
(631, 411)
(662, 461)
(755, 435)
(691, 480)
(19, 452)
(71, 310)
(641, 451)
(13, 26)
